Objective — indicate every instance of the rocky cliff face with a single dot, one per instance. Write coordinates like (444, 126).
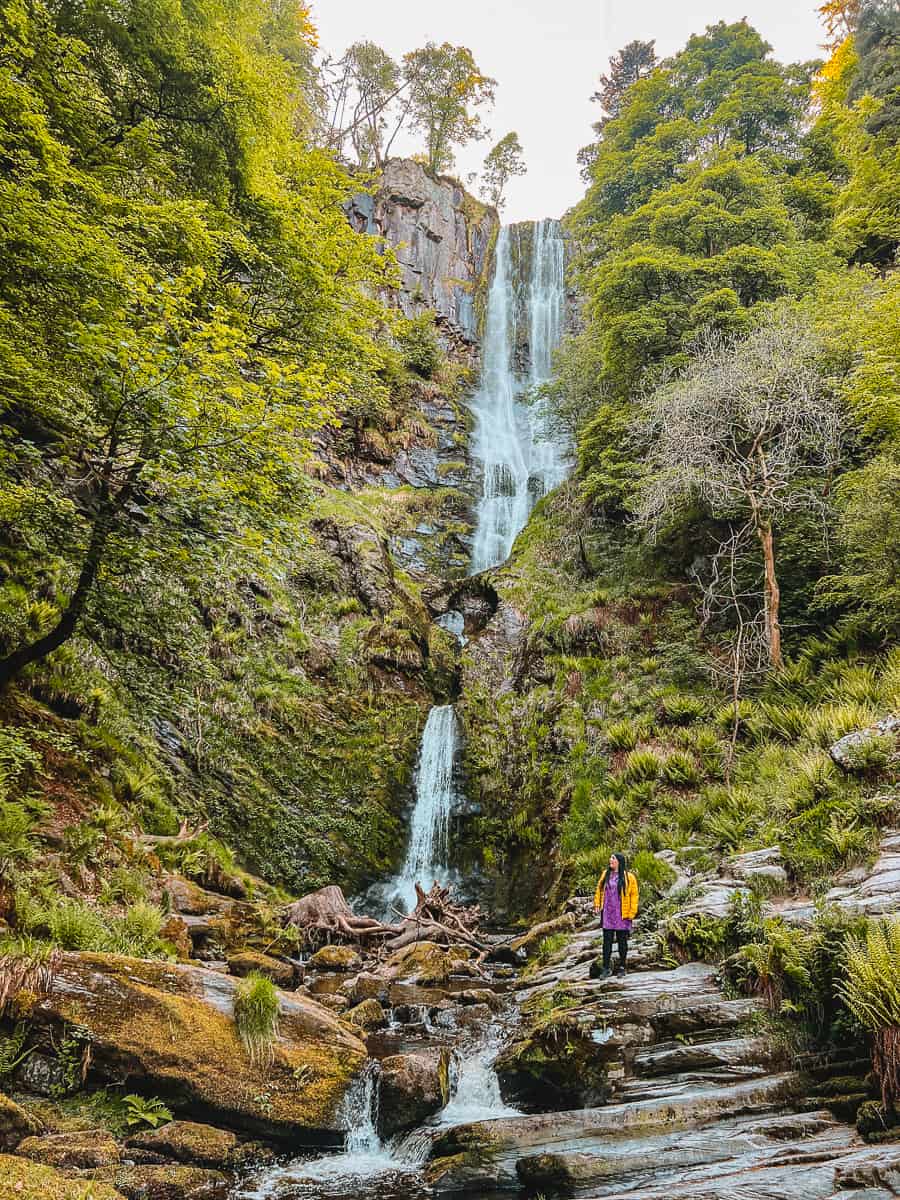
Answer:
(442, 238)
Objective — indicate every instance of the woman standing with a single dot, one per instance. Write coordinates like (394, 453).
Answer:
(616, 898)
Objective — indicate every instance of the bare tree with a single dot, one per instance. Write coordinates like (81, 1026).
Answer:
(753, 431)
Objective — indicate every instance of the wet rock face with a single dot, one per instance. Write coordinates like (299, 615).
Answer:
(413, 1088)
(170, 1030)
(441, 237)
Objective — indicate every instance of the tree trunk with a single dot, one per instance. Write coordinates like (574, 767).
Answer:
(772, 595)
(24, 656)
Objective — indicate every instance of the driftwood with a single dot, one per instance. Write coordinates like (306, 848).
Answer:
(184, 834)
(435, 918)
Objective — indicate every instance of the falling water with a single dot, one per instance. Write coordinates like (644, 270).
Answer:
(519, 457)
(427, 850)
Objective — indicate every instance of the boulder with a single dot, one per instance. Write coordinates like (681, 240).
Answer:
(187, 897)
(429, 964)
(368, 1015)
(169, 1029)
(760, 866)
(557, 1070)
(335, 958)
(15, 1124)
(194, 1144)
(366, 986)
(42, 1075)
(413, 1088)
(87, 1148)
(162, 1182)
(247, 961)
(22, 1179)
(848, 750)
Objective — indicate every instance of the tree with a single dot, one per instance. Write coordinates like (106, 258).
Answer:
(362, 95)
(445, 85)
(625, 68)
(500, 164)
(751, 431)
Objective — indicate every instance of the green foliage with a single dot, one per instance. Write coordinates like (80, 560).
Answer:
(143, 1111)
(501, 163)
(74, 924)
(256, 1016)
(17, 843)
(12, 1050)
(445, 86)
(642, 765)
(680, 769)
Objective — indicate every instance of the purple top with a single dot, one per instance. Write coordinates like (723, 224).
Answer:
(612, 905)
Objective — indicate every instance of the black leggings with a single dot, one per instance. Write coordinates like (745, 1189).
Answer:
(621, 936)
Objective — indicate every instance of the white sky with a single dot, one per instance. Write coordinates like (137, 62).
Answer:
(547, 56)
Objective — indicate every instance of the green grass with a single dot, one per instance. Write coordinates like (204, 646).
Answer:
(256, 1017)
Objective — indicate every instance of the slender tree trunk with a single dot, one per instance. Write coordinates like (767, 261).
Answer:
(24, 656)
(772, 595)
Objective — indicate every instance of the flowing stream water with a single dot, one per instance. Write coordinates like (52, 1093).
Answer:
(520, 462)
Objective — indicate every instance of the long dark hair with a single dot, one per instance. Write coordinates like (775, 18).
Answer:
(620, 858)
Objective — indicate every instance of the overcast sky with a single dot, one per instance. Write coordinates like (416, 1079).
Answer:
(546, 56)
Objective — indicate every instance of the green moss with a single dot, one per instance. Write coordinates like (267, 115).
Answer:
(26, 1180)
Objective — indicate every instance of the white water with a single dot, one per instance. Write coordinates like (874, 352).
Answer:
(427, 850)
(520, 460)
(475, 1087)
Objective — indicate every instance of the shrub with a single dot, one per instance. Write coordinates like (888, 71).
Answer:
(137, 932)
(777, 967)
(641, 765)
(419, 346)
(871, 754)
(680, 769)
(256, 1017)
(702, 937)
(622, 735)
(654, 875)
(681, 709)
(16, 837)
(871, 990)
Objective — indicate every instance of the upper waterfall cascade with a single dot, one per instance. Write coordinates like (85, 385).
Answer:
(520, 458)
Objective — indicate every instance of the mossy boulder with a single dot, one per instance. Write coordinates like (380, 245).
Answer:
(368, 1015)
(335, 958)
(15, 1123)
(22, 1179)
(196, 1144)
(169, 1030)
(85, 1148)
(242, 963)
(429, 964)
(557, 1070)
(163, 1182)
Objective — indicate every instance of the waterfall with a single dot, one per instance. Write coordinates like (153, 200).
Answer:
(520, 460)
(428, 846)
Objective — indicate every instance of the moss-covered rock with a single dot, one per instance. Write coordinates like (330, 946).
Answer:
(195, 1144)
(559, 1069)
(163, 1182)
(87, 1148)
(335, 958)
(242, 963)
(23, 1179)
(170, 1029)
(368, 1015)
(15, 1124)
(429, 964)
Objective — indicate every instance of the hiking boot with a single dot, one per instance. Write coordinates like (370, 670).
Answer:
(605, 973)
(620, 971)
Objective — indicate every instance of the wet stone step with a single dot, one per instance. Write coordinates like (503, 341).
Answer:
(670, 1057)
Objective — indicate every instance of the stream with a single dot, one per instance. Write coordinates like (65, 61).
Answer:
(519, 462)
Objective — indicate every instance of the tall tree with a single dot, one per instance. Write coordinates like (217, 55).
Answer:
(625, 68)
(361, 95)
(500, 164)
(446, 86)
(751, 430)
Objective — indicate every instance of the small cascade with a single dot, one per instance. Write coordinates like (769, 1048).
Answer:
(427, 851)
(475, 1089)
(520, 459)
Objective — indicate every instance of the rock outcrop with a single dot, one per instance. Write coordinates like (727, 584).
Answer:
(170, 1030)
(442, 239)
